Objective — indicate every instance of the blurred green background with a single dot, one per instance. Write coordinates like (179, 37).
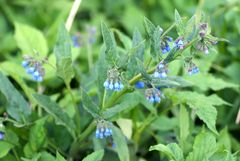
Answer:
(125, 15)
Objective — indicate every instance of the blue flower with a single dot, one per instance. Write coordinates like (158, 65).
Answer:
(103, 129)
(161, 71)
(193, 70)
(179, 43)
(30, 70)
(113, 81)
(139, 84)
(2, 135)
(153, 95)
(25, 63)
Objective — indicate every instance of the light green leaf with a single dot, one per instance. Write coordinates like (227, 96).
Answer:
(171, 81)
(206, 81)
(61, 118)
(203, 148)
(223, 156)
(45, 156)
(204, 106)
(110, 44)
(59, 157)
(29, 38)
(137, 42)
(4, 148)
(179, 24)
(149, 26)
(89, 105)
(121, 144)
(63, 55)
(171, 150)
(190, 29)
(95, 156)
(163, 123)
(17, 106)
(35, 158)
(183, 125)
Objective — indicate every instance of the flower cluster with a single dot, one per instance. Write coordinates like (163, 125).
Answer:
(34, 68)
(206, 40)
(82, 39)
(161, 70)
(113, 81)
(164, 44)
(103, 129)
(179, 43)
(192, 69)
(2, 135)
(153, 95)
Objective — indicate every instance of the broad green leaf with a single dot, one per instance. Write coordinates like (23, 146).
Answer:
(163, 123)
(171, 81)
(37, 136)
(128, 102)
(137, 42)
(121, 144)
(45, 156)
(203, 148)
(204, 106)
(173, 151)
(59, 157)
(190, 29)
(63, 55)
(179, 24)
(223, 156)
(206, 81)
(17, 106)
(183, 125)
(61, 118)
(95, 156)
(89, 105)
(110, 44)
(126, 125)
(5, 147)
(35, 158)
(149, 26)
(224, 139)
(29, 38)
(126, 41)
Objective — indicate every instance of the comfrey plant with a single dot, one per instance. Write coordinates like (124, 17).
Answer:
(125, 98)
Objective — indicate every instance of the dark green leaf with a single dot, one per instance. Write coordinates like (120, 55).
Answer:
(89, 105)
(63, 54)
(61, 118)
(95, 156)
(110, 44)
(121, 144)
(17, 106)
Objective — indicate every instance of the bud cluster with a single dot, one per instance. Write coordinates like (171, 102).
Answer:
(153, 95)
(113, 81)
(103, 129)
(161, 70)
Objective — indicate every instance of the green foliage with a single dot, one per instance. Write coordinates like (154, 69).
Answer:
(56, 120)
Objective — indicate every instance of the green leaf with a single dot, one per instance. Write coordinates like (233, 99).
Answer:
(171, 81)
(63, 55)
(183, 125)
(35, 158)
(163, 123)
(149, 26)
(204, 106)
(208, 81)
(110, 44)
(29, 39)
(59, 157)
(17, 106)
(203, 148)
(95, 156)
(190, 29)
(89, 105)
(171, 55)
(45, 156)
(5, 147)
(223, 156)
(61, 118)
(137, 42)
(128, 102)
(173, 151)
(121, 144)
(37, 136)
(179, 24)
(126, 41)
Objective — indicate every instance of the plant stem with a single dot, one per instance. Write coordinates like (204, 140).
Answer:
(104, 98)
(15, 154)
(72, 14)
(169, 29)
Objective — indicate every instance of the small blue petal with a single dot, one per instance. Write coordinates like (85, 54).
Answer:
(139, 84)
(106, 84)
(169, 39)
(25, 63)
(110, 86)
(121, 86)
(116, 85)
(164, 51)
(167, 48)
(151, 99)
(30, 70)
(157, 99)
(2, 135)
(163, 75)
(156, 74)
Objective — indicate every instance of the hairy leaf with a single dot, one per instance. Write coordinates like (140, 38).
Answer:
(95, 156)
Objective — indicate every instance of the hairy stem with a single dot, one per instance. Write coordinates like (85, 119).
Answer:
(72, 14)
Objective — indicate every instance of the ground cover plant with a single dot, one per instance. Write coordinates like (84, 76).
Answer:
(119, 81)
